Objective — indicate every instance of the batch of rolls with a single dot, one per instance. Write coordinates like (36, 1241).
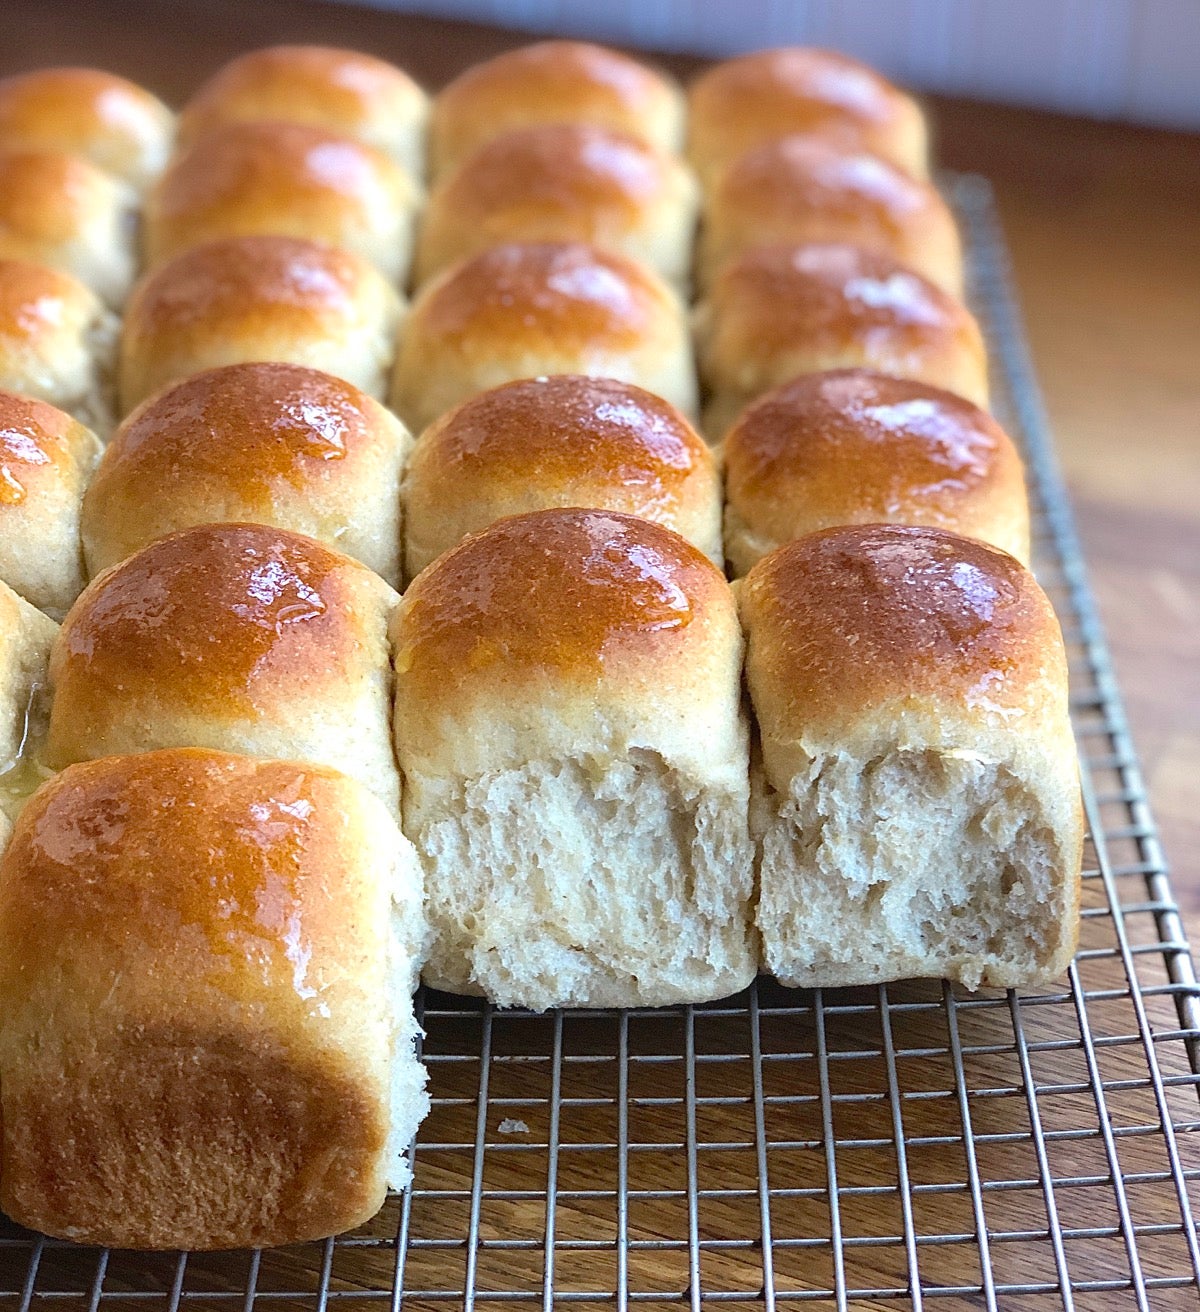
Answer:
(339, 708)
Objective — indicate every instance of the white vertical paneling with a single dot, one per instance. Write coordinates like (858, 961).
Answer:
(1138, 59)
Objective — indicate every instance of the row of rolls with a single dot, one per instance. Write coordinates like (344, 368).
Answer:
(296, 707)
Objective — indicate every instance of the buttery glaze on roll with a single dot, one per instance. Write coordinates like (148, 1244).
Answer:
(559, 441)
(564, 182)
(569, 726)
(856, 447)
(755, 98)
(806, 188)
(288, 180)
(340, 90)
(916, 803)
(205, 970)
(118, 126)
(60, 210)
(780, 311)
(46, 459)
(26, 636)
(531, 308)
(258, 298)
(57, 342)
(236, 637)
(554, 82)
(264, 443)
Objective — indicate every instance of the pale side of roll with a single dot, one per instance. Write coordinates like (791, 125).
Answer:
(46, 460)
(58, 342)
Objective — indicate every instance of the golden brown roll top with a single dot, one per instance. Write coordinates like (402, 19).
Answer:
(525, 309)
(340, 90)
(238, 637)
(856, 447)
(755, 98)
(780, 311)
(258, 298)
(203, 969)
(60, 210)
(809, 189)
(563, 182)
(57, 341)
(46, 460)
(504, 644)
(850, 624)
(562, 441)
(275, 444)
(553, 82)
(26, 636)
(118, 126)
(917, 803)
(289, 180)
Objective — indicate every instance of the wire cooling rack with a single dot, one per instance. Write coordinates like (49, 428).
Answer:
(890, 1146)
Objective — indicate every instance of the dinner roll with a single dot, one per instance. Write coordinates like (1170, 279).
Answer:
(560, 441)
(917, 801)
(569, 727)
(808, 188)
(564, 182)
(554, 82)
(779, 311)
(118, 126)
(524, 309)
(204, 969)
(755, 98)
(340, 90)
(26, 636)
(856, 447)
(46, 459)
(238, 637)
(286, 179)
(266, 443)
(258, 298)
(58, 209)
(57, 341)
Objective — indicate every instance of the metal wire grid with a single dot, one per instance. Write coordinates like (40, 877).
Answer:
(896, 1145)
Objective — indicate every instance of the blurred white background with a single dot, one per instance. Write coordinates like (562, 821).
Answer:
(1130, 59)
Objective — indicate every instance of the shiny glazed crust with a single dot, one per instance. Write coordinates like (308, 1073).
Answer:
(565, 440)
(855, 447)
(258, 298)
(120, 127)
(275, 444)
(563, 182)
(341, 90)
(754, 98)
(530, 308)
(283, 179)
(193, 959)
(553, 82)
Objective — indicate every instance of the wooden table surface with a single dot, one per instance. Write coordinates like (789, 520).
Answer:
(1101, 220)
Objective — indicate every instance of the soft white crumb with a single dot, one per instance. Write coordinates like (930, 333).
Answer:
(509, 1126)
